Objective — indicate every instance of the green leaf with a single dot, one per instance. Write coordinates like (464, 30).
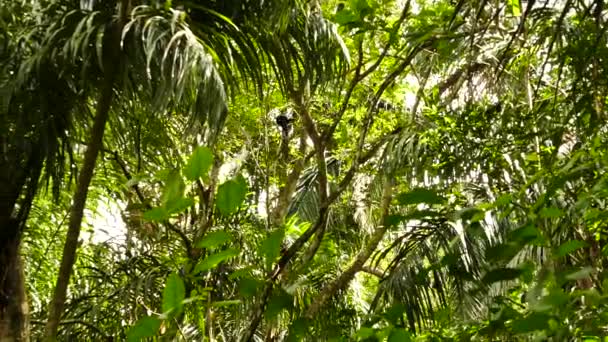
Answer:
(394, 314)
(579, 273)
(214, 239)
(145, 327)
(271, 246)
(298, 329)
(279, 301)
(158, 214)
(248, 287)
(569, 247)
(174, 188)
(503, 200)
(199, 164)
(230, 195)
(344, 17)
(502, 252)
(173, 294)
(515, 7)
(551, 212)
(179, 205)
(525, 234)
(533, 322)
(365, 333)
(215, 259)
(501, 274)
(399, 335)
(420, 195)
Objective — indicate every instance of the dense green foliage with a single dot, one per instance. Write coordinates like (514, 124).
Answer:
(287, 170)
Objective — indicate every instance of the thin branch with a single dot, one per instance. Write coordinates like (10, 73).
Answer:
(75, 321)
(142, 199)
(345, 278)
(359, 76)
(373, 271)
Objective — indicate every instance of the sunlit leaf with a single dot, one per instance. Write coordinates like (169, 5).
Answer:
(515, 7)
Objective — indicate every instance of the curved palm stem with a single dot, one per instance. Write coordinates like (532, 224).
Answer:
(84, 179)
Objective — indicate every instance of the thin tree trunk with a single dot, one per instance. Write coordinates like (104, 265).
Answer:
(345, 278)
(111, 67)
(77, 209)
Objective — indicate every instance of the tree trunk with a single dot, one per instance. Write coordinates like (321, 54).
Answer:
(13, 302)
(111, 67)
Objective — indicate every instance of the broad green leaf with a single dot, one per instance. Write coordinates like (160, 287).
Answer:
(503, 200)
(157, 214)
(527, 234)
(579, 273)
(550, 212)
(199, 164)
(501, 274)
(271, 246)
(394, 314)
(230, 195)
(173, 294)
(365, 333)
(360, 6)
(399, 335)
(534, 321)
(248, 287)
(555, 299)
(174, 188)
(344, 17)
(179, 205)
(214, 239)
(420, 195)
(215, 259)
(503, 251)
(569, 247)
(298, 329)
(144, 328)
(279, 301)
